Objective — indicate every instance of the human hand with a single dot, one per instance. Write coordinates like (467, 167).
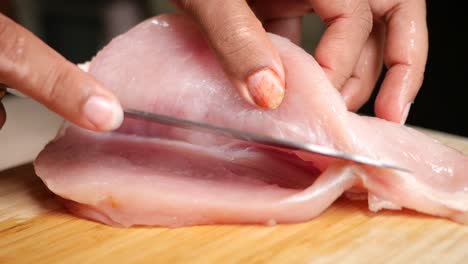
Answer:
(360, 36)
(31, 67)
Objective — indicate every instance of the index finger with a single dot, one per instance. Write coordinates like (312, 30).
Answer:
(243, 47)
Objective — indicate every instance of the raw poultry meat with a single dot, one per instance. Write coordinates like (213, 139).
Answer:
(145, 174)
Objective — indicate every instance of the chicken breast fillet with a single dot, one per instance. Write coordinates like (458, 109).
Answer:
(146, 174)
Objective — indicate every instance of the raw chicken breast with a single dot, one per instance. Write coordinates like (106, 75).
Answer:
(145, 174)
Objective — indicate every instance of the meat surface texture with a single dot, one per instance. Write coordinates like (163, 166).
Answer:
(145, 174)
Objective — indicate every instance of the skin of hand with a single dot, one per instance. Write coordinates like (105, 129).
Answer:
(30, 66)
(360, 37)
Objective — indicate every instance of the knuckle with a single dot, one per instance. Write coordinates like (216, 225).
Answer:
(235, 36)
(12, 48)
(53, 85)
(363, 13)
(338, 77)
(415, 72)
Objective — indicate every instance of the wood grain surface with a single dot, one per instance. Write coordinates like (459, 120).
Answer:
(35, 229)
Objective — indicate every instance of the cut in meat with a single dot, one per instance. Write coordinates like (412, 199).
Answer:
(145, 174)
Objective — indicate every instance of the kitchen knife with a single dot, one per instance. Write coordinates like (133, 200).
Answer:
(257, 138)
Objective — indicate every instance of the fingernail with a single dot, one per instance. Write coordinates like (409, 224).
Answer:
(404, 114)
(266, 88)
(103, 113)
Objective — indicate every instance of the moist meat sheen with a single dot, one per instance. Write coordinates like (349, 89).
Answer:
(145, 174)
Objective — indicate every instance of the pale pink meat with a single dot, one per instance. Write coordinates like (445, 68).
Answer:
(145, 174)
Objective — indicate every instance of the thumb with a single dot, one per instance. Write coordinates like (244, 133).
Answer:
(33, 68)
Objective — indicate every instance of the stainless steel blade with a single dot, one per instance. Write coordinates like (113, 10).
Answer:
(256, 138)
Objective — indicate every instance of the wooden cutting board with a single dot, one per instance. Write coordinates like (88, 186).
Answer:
(34, 229)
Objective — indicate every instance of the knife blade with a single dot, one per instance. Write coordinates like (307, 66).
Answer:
(257, 138)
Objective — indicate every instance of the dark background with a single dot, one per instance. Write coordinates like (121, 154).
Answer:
(77, 29)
